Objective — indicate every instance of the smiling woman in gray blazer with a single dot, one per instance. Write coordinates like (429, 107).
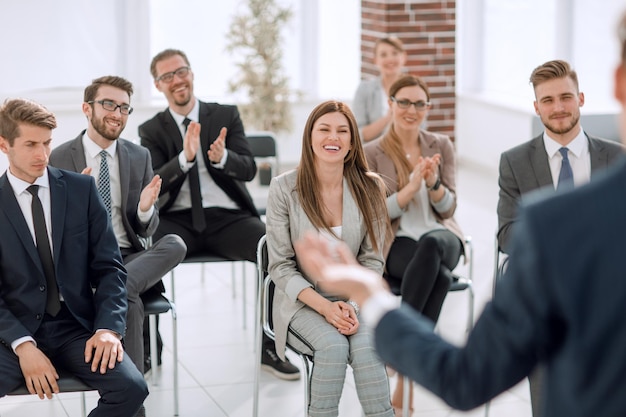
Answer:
(331, 192)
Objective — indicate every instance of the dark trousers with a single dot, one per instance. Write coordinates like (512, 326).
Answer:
(233, 234)
(418, 264)
(122, 389)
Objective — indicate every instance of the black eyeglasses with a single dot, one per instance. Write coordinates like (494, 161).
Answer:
(405, 104)
(168, 77)
(112, 106)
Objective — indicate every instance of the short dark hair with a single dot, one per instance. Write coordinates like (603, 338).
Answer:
(91, 91)
(167, 53)
(552, 70)
(14, 112)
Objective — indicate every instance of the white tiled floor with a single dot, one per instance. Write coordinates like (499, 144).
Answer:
(216, 357)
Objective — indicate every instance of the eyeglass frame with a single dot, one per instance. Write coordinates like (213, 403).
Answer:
(167, 75)
(405, 104)
(128, 107)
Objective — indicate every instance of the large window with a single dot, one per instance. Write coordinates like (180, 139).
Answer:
(60, 46)
(506, 39)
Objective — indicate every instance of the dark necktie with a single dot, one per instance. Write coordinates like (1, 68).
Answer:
(566, 176)
(53, 302)
(197, 213)
(104, 182)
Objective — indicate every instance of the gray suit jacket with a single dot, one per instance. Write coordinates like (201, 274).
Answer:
(286, 223)
(135, 173)
(525, 168)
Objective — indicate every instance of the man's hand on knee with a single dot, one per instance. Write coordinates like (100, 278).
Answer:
(103, 349)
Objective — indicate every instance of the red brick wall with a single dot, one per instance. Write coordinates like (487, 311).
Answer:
(427, 29)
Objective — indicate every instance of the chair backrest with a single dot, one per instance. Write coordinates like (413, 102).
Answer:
(262, 144)
(264, 281)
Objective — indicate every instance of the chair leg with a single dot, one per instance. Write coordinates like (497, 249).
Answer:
(243, 291)
(154, 355)
(406, 395)
(232, 279)
(175, 352)
(470, 315)
(83, 404)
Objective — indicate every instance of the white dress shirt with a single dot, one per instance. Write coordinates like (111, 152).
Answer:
(212, 194)
(92, 159)
(578, 155)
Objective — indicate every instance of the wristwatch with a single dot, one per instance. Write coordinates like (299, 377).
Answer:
(436, 185)
(354, 305)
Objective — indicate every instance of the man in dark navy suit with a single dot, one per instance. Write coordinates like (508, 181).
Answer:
(560, 304)
(62, 281)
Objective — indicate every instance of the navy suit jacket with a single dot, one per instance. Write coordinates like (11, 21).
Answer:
(88, 265)
(561, 303)
(525, 168)
(135, 173)
(161, 136)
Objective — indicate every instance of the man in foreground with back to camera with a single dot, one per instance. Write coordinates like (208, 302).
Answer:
(560, 304)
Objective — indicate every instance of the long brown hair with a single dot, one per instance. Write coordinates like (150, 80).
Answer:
(366, 187)
(390, 143)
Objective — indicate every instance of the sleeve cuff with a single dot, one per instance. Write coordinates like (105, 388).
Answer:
(377, 306)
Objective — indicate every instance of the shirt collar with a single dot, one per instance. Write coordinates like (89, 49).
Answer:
(93, 149)
(576, 146)
(194, 114)
(19, 186)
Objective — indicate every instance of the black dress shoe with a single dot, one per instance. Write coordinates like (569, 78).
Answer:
(282, 369)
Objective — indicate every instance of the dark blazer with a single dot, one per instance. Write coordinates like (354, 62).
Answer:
(525, 168)
(162, 137)
(560, 303)
(86, 257)
(135, 173)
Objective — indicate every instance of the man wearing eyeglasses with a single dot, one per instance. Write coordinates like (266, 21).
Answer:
(201, 153)
(129, 189)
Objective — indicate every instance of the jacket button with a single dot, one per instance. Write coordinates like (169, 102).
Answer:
(39, 316)
(42, 288)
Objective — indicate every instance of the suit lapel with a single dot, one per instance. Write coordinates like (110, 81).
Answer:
(172, 131)
(15, 218)
(539, 162)
(597, 155)
(77, 153)
(350, 229)
(58, 205)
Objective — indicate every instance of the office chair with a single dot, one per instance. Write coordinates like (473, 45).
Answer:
(264, 304)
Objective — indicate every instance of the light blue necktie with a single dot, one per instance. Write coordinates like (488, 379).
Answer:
(566, 176)
(104, 182)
